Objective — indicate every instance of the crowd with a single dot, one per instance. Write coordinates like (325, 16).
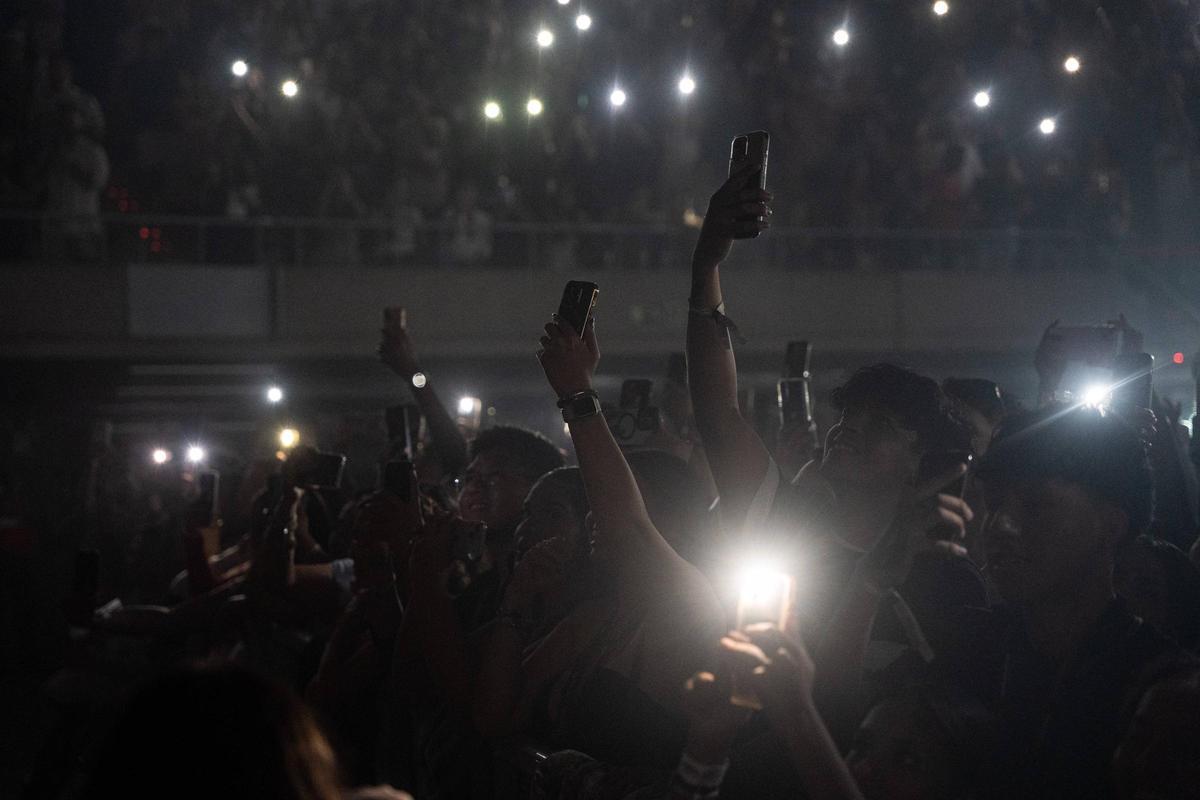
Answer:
(387, 121)
(953, 596)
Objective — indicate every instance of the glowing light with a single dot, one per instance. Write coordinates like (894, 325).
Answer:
(288, 438)
(1047, 126)
(617, 97)
(289, 88)
(468, 405)
(764, 593)
(533, 107)
(1177, 358)
(982, 99)
(419, 380)
(491, 109)
(583, 22)
(160, 456)
(941, 8)
(195, 454)
(841, 37)
(687, 84)
(1072, 64)
(239, 68)
(564, 2)
(274, 394)
(545, 38)
(1096, 395)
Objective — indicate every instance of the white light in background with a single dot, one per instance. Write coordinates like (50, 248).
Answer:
(196, 454)
(545, 38)
(160, 455)
(289, 88)
(617, 97)
(1047, 126)
(583, 22)
(534, 107)
(841, 37)
(239, 68)
(982, 99)
(687, 84)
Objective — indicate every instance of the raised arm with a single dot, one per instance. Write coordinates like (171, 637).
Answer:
(613, 495)
(396, 350)
(736, 455)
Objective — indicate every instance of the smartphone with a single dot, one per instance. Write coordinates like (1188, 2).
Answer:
(327, 471)
(751, 148)
(1133, 381)
(939, 462)
(797, 359)
(208, 499)
(399, 479)
(404, 424)
(578, 300)
(396, 316)
(762, 597)
(635, 394)
(1094, 345)
(795, 400)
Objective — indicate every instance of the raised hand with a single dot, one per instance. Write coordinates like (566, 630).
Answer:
(774, 667)
(396, 351)
(734, 212)
(927, 520)
(568, 360)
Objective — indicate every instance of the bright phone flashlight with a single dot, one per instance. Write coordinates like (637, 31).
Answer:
(545, 38)
(583, 22)
(160, 455)
(195, 454)
(1072, 64)
(765, 594)
(1096, 395)
(687, 84)
(564, 2)
(289, 437)
(468, 405)
(419, 380)
(239, 68)
(274, 394)
(617, 97)
(491, 109)
(1047, 126)
(941, 8)
(289, 88)
(841, 37)
(533, 107)
(982, 99)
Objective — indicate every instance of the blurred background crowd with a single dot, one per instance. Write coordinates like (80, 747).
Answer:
(135, 104)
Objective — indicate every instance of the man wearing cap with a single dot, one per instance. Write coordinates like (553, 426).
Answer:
(1061, 659)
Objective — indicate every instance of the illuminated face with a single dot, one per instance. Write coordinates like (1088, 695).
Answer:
(1041, 537)
(492, 493)
(900, 753)
(868, 447)
(550, 513)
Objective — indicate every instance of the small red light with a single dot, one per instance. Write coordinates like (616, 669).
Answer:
(155, 247)
(144, 233)
(1177, 358)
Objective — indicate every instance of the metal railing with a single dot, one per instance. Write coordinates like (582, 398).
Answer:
(589, 247)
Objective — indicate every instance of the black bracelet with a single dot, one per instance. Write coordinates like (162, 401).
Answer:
(568, 399)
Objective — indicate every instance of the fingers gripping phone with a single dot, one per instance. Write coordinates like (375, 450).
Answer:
(578, 300)
(751, 148)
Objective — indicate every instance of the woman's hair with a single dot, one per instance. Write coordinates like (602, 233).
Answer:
(215, 731)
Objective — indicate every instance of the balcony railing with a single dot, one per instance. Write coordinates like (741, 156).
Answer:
(587, 247)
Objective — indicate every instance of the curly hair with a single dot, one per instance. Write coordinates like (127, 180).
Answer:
(918, 402)
(531, 454)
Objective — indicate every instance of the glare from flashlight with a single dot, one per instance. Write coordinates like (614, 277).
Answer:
(583, 22)
(1072, 64)
(491, 109)
(419, 380)
(841, 37)
(941, 8)
(468, 405)
(289, 438)
(545, 38)
(160, 455)
(687, 84)
(1047, 126)
(289, 88)
(195, 454)
(533, 107)
(274, 394)
(765, 593)
(982, 99)
(564, 2)
(1096, 395)
(239, 68)
(617, 97)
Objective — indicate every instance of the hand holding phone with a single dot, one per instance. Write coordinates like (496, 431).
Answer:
(578, 302)
(741, 208)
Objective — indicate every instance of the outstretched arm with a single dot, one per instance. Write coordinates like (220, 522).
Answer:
(737, 457)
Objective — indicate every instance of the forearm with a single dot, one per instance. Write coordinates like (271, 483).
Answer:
(737, 456)
(444, 433)
(821, 768)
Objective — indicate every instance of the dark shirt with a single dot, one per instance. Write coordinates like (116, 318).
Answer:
(1058, 727)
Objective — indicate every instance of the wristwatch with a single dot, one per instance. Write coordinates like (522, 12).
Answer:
(579, 405)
